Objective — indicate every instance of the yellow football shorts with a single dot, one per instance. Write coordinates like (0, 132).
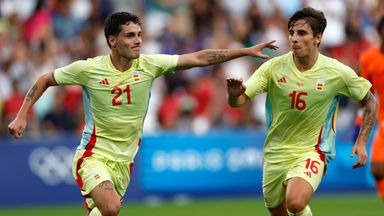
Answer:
(308, 166)
(91, 170)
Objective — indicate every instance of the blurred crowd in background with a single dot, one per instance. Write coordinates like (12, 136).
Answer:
(37, 36)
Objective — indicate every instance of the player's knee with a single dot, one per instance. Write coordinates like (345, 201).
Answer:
(295, 205)
(110, 209)
(377, 171)
(380, 188)
(381, 194)
(377, 177)
(377, 174)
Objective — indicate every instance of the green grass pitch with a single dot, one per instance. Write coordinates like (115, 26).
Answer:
(322, 205)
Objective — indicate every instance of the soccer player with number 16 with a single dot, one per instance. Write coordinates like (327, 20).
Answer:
(303, 90)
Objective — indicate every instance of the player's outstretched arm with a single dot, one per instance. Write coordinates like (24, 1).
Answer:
(369, 116)
(216, 56)
(17, 126)
(236, 92)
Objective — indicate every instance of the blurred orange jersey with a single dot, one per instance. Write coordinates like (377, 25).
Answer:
(372, 68)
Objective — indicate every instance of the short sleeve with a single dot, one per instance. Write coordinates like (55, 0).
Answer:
(161, 63)
(355, 87)
(72, 74)
(258, 82)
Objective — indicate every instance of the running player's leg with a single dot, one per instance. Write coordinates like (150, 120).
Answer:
(299, 193)
(302, 180)
(95, 178)
(107, 196)
(273, 189)
(280, 210)
(377, 161)
(106, 199)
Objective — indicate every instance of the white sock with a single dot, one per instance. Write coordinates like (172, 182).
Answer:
(306, 212)
(95, 212)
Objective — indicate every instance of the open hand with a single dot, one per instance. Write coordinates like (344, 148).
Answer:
(361, 152)
(256, 50)
(235, 87)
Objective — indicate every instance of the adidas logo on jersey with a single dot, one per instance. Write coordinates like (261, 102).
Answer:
(308, 174)
(104, 82)
(282, 80)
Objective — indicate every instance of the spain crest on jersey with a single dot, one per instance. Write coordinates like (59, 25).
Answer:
(136, 75)
(96, 176)
(320, 85)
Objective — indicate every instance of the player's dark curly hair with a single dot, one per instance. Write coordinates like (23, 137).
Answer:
(114, 22)
(313, 17)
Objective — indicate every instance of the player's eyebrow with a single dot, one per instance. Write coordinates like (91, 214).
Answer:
(132, 33)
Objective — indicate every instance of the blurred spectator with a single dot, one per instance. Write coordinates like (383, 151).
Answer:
(66, 26)
(65, 115)
(22, 8)
(354, 43)
(11, 107)
(17, 66)
(38, 27)
(13, 102)
(336, 13)
(37, 36)
(170, 110)
(6, 88)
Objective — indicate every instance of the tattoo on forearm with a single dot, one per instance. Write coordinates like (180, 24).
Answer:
(368, 121)
(369, 116)
(31, 92)
(216, 56)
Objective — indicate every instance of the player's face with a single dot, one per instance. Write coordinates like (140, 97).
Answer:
(303, 43)
(128, 42)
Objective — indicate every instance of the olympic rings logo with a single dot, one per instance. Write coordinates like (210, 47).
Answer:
(53, 166)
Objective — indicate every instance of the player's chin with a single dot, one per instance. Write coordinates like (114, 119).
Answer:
(135, 55)
(296, 53)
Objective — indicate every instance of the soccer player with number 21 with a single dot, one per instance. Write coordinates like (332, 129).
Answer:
(116, 90)
(303, 90)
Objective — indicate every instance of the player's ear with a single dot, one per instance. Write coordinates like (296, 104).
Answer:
(112, 41)
(318, 39)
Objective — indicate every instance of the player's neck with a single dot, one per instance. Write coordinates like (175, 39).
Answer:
(121, 63)
(382, 47)
(305, 63)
